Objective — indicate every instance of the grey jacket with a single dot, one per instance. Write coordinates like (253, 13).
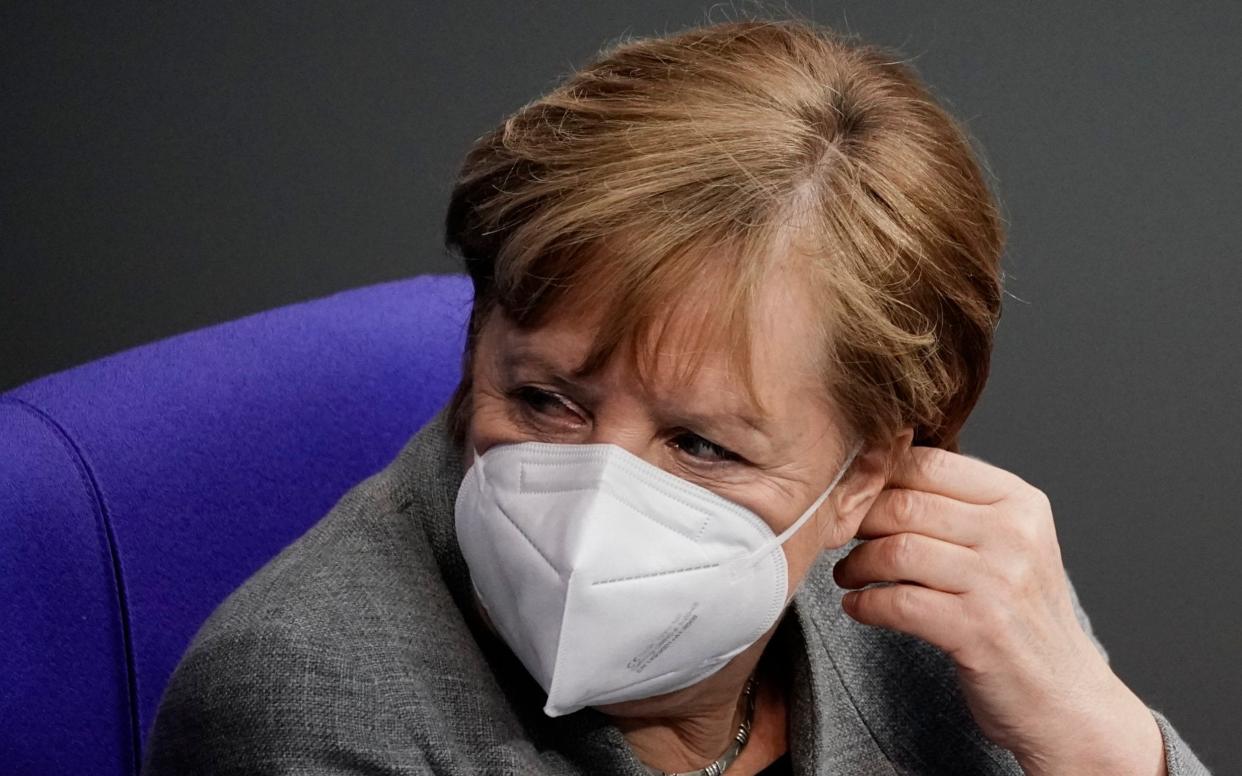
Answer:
(357, 651)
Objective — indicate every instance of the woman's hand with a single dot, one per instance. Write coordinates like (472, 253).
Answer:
(973, 553)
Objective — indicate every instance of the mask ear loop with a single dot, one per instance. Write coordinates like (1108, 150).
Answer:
(477, 466)
(801, 521)
(737, 567)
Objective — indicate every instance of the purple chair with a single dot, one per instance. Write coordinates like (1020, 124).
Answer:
(139, 490)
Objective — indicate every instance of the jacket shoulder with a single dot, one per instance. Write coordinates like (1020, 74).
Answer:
(316, 654)
(273, 701)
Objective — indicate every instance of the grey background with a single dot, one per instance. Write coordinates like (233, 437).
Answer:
(166, 166)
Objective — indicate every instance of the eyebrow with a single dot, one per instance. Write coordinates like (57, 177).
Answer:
(757, 422)
(523, 357)
(520, 357)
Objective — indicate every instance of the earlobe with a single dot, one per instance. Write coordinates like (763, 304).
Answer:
(852, 510)
(869, 476)
(852, 507)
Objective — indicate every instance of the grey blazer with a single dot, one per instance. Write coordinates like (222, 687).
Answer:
(357, 651)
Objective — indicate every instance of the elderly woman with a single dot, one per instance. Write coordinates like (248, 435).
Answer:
(735, 292)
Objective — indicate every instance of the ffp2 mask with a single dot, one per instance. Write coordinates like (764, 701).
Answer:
(612, 579)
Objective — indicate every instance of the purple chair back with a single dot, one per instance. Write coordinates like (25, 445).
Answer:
(137, 491)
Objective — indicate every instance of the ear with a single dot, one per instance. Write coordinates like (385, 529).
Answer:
(860, 487)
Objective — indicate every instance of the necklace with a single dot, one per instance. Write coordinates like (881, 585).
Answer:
(717, 767)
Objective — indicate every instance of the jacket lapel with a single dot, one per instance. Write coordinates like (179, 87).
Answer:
(872, 701)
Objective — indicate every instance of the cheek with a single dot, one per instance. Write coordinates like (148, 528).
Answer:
(495, 418)
(489, 425)
(489, 428)
(490, 420)
(802, 550)
(779, 503)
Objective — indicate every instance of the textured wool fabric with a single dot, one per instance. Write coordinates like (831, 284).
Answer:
(357, 650)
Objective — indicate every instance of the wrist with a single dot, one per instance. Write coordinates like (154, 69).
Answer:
(1116, 735)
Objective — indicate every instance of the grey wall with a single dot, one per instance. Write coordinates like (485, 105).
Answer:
(170, 165)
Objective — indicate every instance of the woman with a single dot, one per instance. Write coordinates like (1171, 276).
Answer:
(735, 291)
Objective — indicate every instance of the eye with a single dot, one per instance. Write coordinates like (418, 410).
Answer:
(546, 404)
(703, 449)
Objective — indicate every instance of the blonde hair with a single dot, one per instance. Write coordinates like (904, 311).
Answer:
(673, 165)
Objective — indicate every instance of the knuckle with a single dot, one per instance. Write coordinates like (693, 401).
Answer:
(905, 602)
(900, 549)
(1022, 575)
(1036, 498)
(1041, 498)
(904, 508)
(931, 459)
(993, 624)
(1028, 530)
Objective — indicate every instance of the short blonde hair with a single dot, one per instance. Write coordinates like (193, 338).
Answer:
(674, 164)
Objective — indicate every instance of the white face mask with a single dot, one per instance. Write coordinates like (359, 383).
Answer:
(612, 579)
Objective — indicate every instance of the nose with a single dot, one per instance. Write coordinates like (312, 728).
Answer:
(634, 433)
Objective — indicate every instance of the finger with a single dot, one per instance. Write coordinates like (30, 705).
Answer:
(932, 615)
(954, 475)
(898, 510)
(909, 557)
